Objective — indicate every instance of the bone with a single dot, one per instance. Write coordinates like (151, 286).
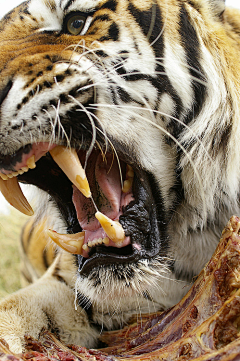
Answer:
(13, 194)
(72, 243)
(67, 159)
(112, 228)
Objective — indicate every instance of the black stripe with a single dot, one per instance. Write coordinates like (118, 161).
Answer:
(133, 75)
(113, 33)
(119, 92)
(221, 140)
(45, 260)
(4, 91)
(155, 38)
(194, 5)
(25, 10)
(111, 5)
(69, 3)
(101, 53)
(144, 20)
(177, 189)
(103, 17)
(56, 274)
(123, 95)
(191, 45)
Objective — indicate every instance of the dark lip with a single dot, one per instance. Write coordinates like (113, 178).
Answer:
(104, 256)
(8, 162)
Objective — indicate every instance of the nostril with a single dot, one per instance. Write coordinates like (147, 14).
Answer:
(4, 92)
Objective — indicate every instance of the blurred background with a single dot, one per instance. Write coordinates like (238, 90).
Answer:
(11, 221)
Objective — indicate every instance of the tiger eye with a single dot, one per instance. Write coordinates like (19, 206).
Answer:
(75, 24)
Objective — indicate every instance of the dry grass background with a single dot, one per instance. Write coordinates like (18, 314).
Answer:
(10, 231)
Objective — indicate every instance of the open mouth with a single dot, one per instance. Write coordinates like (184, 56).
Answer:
(108, 205)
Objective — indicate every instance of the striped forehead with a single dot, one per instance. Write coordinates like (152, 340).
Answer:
(42, 7)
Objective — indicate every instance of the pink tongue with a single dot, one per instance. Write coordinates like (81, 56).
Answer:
(105, 185)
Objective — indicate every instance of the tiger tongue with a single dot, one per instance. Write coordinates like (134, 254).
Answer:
(104, 180)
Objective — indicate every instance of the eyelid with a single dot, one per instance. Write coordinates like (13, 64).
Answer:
(86, 25)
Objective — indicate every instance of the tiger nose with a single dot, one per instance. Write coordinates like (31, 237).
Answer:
(5, 90)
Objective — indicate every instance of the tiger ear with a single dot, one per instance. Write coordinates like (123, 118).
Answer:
(218, 6)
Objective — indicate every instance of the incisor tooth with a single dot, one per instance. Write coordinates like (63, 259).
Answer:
(127, 185)
(106, 240)
(130, 172)
(3, 176)
(14, 195)
(113, 229)
(85, 247)
(67, 159)
(31, 162)
(71, 243)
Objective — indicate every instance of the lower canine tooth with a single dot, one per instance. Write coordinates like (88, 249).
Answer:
(113, 229)
(68, 161)
(14, 195)
(72, 243)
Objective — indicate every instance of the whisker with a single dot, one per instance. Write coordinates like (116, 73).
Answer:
(162, 30)
(60, 126)
(96, 106)
(89, 115)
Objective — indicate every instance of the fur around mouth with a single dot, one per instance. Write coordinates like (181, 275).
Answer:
(134, 208)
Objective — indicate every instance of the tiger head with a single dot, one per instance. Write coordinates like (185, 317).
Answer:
(140, 99)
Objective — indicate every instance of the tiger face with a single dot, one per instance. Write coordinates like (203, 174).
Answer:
(140, 98)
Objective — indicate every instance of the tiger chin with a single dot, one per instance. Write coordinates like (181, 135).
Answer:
(124, 115)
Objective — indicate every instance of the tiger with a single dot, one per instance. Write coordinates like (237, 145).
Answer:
(123, 116)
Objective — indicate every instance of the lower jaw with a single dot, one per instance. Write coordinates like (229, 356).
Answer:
(106, 256)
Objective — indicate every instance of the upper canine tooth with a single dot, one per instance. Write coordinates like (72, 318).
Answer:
(71, 243)
(112, 228)
(14, 195)
(68, 161)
